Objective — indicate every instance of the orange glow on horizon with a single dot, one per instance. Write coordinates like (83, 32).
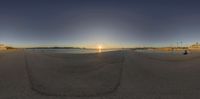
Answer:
(99, 48)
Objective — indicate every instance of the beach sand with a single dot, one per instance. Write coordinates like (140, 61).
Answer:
(75, 74)
(154, 78)
(110, 75)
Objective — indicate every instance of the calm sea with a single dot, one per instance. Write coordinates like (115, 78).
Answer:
(75, 51)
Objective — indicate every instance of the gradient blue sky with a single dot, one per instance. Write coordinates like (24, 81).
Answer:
(88, 23)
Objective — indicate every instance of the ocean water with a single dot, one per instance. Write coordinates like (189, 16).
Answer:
(73, 51)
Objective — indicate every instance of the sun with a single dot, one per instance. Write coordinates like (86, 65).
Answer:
(99, 48)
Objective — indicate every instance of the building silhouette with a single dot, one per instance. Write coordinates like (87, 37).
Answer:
(195, 46)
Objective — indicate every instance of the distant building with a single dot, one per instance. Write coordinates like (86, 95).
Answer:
(195, 46)
(2, 47)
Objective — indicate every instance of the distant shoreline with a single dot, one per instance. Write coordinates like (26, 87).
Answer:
(55, 48)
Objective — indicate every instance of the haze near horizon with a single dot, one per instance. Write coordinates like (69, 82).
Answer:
(89, 23)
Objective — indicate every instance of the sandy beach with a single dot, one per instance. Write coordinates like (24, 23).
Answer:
(109, 75)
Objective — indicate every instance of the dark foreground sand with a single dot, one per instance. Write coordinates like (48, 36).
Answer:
(75, 74)
(112, 75)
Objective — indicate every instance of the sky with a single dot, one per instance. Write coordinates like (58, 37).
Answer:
(89, 23)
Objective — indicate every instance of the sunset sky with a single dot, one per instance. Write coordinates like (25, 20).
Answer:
(89, 23)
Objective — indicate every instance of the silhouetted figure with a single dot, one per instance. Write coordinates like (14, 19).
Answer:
(185, 53)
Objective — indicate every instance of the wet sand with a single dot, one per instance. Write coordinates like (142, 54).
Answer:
(112, 75)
